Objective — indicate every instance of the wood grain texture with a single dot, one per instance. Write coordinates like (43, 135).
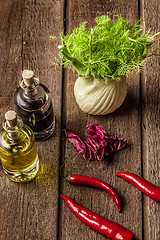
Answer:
(124, 122)
(10, 50)
(150, 124)
(30, 211)
(10, 61)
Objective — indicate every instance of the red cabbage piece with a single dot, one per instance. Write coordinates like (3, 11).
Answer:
(96, 132)
(74, 138)
(97, 145)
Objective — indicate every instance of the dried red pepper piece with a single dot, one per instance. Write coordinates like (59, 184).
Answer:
(143, 185)
(97, 183)
(111, 230)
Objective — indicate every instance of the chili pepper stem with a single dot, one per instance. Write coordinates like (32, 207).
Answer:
(67, 178)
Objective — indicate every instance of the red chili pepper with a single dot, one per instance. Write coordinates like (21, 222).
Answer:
(97, 183)
(111, 230)
(143, 185)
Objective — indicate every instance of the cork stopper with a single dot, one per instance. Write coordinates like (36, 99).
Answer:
(11, 118)
(28, 77)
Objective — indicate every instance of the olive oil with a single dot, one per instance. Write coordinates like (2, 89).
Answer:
(18, 151)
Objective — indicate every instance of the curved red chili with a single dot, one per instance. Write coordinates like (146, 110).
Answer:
(111, 230)
(97, 183)
(143, 185)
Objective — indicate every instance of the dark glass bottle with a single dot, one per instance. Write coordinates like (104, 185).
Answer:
(34, 105)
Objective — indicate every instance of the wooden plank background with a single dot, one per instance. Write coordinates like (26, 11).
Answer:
(34, 211)
(119, 122)
(29, 211)
(150, 124)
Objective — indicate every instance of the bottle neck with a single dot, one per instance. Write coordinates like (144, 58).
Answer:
(30, 91)
(13, 132)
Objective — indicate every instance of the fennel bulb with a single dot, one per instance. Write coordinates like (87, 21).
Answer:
(102, 54)
(98, 97)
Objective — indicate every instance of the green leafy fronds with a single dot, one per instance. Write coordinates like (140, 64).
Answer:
(110, 49)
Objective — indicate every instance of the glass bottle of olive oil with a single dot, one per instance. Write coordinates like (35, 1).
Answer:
(34, 105)
(18, 151)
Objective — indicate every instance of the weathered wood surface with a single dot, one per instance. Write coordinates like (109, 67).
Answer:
(29, 211)
(124, 122)
(150, 124)
(34, 211)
